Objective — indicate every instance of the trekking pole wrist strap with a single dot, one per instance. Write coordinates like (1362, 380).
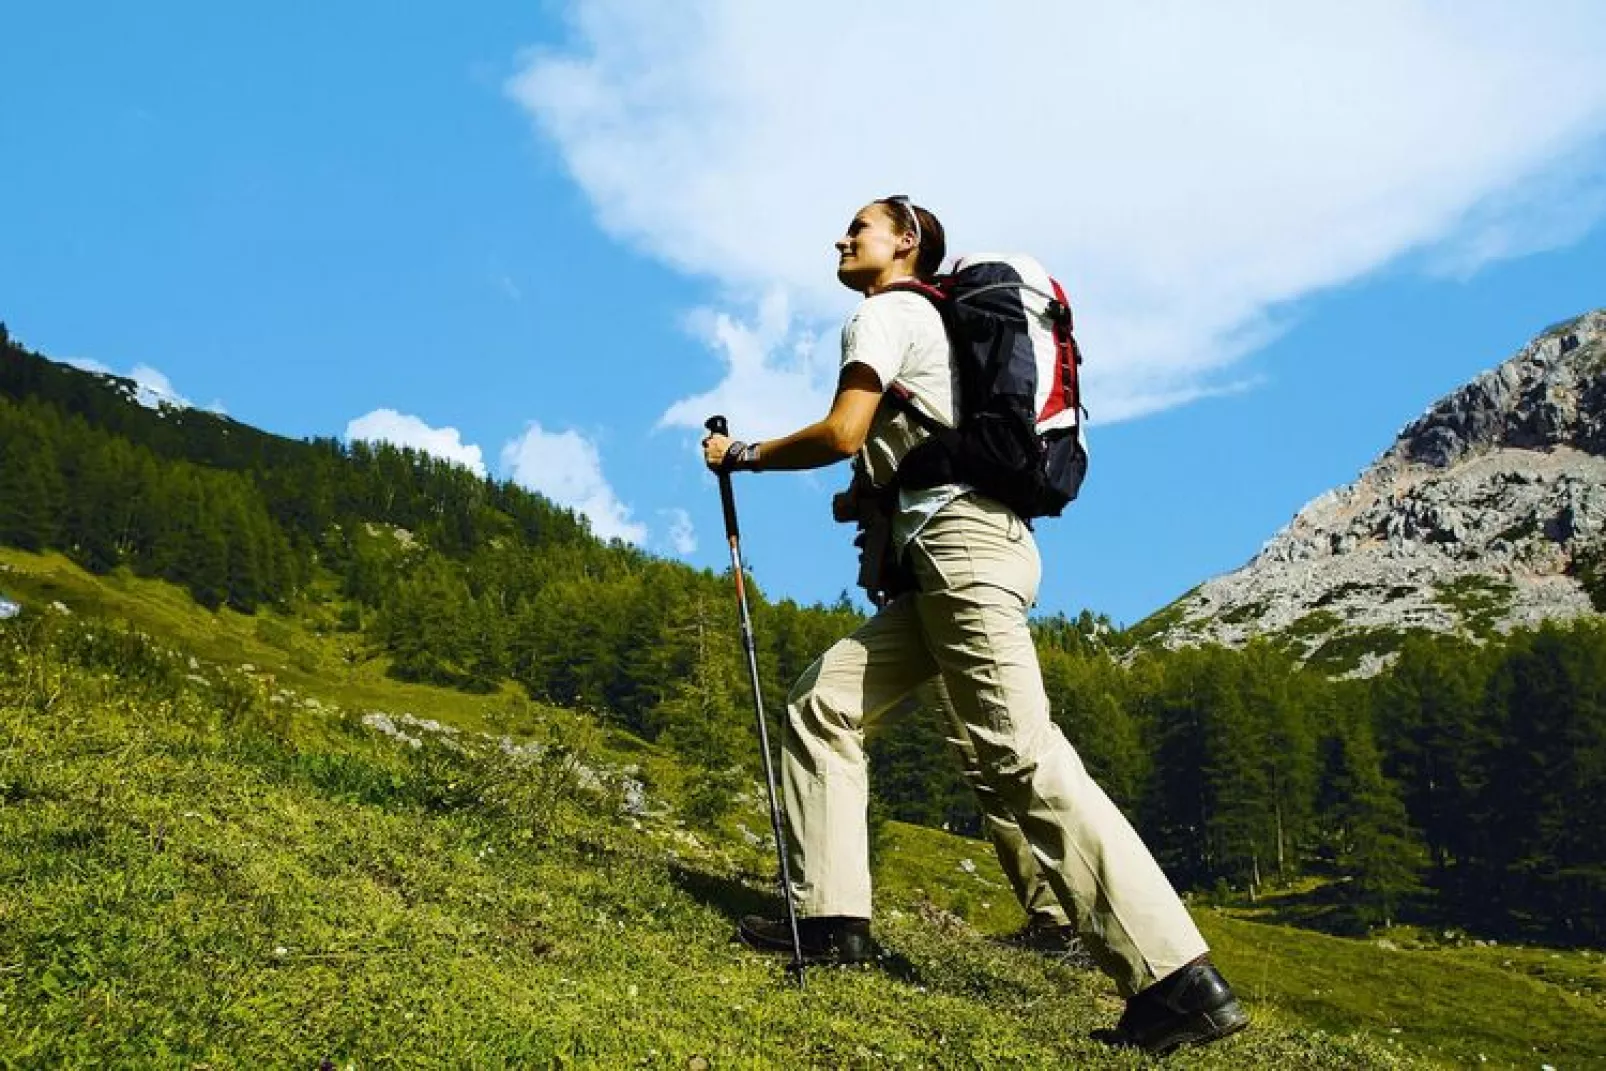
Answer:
(740, 457)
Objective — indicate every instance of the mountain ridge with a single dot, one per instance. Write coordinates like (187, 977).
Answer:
(1476, 519)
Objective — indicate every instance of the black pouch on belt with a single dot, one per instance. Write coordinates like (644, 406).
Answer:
(882, 572)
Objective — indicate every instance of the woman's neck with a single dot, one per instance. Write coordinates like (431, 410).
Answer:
(896, 274)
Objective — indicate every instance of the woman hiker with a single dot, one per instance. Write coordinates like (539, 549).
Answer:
(975, 571)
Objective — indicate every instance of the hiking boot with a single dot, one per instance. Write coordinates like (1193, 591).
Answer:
(1048, 936)
(1190, 1006)
(827, 939)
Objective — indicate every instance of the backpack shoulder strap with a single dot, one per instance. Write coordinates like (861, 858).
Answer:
(935, 292)
(897, 394)
(899, 398)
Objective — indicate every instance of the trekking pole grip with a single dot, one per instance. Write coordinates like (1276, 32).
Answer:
(717, 425)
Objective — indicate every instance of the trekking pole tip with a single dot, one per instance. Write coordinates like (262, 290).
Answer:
(795, 969)
(717, 425)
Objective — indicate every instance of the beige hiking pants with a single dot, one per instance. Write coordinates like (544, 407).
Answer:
(978, 570)
(1035, 895)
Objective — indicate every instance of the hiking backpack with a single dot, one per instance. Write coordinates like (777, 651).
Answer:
(1019, 438)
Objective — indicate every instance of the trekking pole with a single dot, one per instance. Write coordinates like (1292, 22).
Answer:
(727, 498)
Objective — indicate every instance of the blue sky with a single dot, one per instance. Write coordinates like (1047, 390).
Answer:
(548, 239)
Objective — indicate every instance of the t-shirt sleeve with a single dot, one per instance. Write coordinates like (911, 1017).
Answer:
(871, 337)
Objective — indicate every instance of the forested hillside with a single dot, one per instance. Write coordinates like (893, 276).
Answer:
(1463, 784)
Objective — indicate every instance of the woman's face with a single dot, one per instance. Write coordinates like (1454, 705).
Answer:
(868, 253)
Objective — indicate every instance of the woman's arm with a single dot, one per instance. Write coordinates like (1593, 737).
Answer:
(825, 442)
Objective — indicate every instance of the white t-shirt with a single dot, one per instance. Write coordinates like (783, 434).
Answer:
(899, 336)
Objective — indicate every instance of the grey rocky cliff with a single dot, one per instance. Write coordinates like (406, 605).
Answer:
(1469, 522)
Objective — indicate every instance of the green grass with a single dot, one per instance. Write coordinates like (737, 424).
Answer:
(179, 888)
(1323, 642)
(1479, 601)
(1452, 1005)
(194, 874)
(1313, 626)
(1156, 624)
(306, 655)
(1450, 1002)
(1342, 651)
(1343, 591)
(1241, 615)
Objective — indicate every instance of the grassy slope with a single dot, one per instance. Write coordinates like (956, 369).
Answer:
(281, 888)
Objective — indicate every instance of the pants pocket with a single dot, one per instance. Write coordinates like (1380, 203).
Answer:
(929, 575)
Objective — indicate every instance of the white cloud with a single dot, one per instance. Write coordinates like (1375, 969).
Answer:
(155, 388)
(1188, 170)
(682, 533)
(1554, 210)
(152, 389)
(401, 429)
(776, 379)
(565, 467)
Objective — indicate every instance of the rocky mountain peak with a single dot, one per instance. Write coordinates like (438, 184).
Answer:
(1550, 394)
(1471, 521)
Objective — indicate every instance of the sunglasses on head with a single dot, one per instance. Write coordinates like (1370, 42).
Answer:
(909, 207)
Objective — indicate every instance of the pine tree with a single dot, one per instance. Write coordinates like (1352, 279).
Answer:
(1196, 713)
(206, 573)
(1283, 703)
(426, 627)
(1371, 841)
(31, 490)
(1084, 692)
(914, 772)
(1241, 826)
(698, 715)
(1540, 856)
(1429, 714)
